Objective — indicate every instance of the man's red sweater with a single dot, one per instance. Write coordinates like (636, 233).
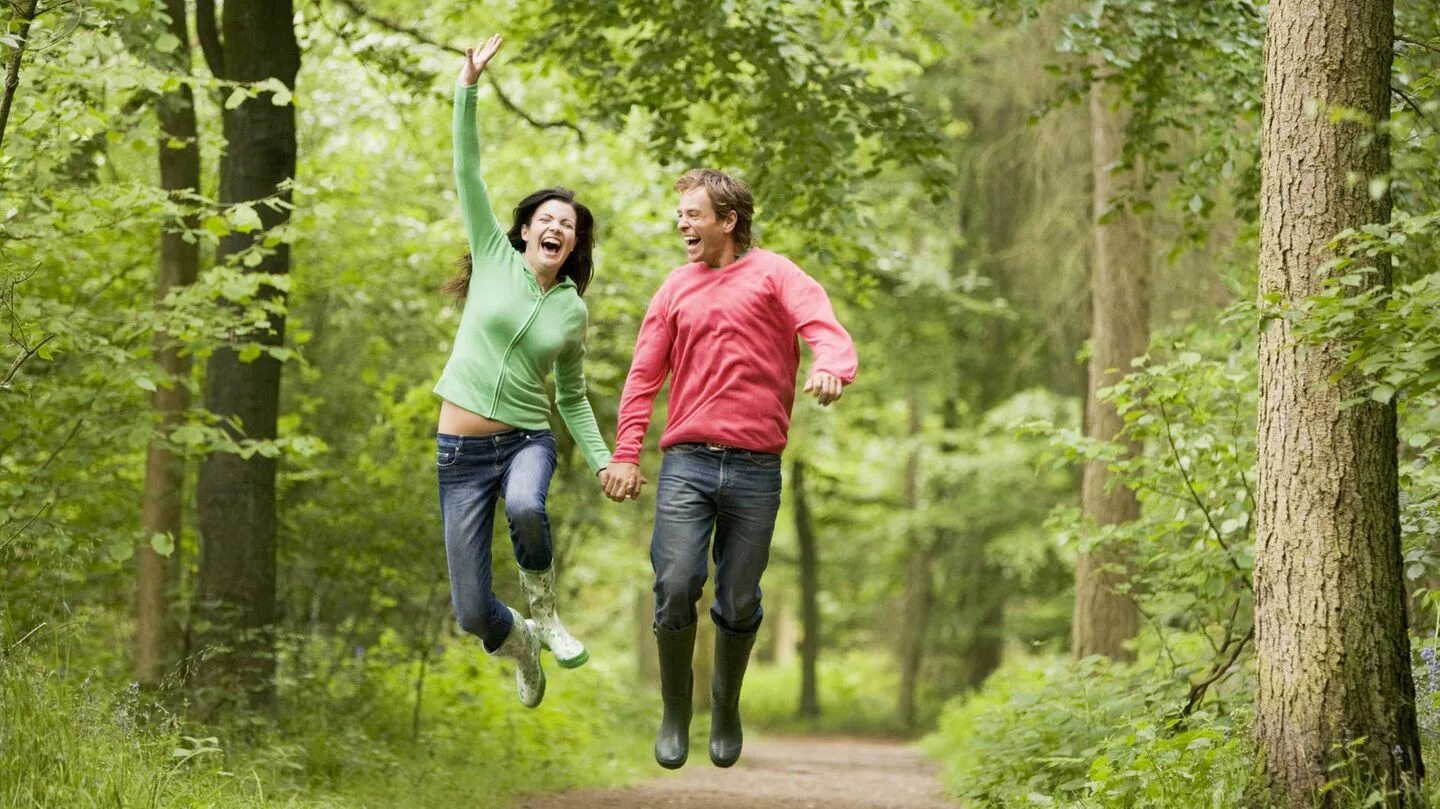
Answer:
(728, 335)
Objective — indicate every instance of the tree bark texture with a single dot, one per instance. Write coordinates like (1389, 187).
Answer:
(156, 628)
(1105, 618)
(1332, 649)
(236, 496)
(809, 595)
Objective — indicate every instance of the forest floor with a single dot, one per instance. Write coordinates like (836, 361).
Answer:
(799, 771)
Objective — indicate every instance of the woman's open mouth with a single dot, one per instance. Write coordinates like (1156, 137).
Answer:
(550, 247)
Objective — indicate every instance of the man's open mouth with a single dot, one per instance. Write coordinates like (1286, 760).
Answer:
(692, 241)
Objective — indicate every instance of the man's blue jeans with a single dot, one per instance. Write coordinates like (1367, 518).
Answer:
(475, 471)
(732, 495)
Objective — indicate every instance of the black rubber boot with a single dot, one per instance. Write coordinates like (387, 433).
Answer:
(677, 647)
(732, 655)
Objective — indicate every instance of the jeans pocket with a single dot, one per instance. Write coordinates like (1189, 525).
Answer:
(764, 460)
(446, 456)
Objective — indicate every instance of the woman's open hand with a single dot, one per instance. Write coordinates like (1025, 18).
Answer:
(477, 58)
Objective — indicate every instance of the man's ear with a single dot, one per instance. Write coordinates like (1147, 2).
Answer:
(731, 220)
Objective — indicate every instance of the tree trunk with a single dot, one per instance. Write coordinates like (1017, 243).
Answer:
(1332, 652)
(919, 593)
(1105, 617)
(809, 596)
(156, 628)
(26, 10)
(236, 496)
(982, 609)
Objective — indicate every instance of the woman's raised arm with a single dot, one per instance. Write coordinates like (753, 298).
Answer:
(481, 227)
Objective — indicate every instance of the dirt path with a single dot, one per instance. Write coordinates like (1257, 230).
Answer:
(825, 773)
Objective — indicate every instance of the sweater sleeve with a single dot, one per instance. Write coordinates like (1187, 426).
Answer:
(648, 370)
(481, 227)
(814, 318)
(574, 406)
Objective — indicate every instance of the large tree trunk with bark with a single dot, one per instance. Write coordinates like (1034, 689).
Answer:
(156, 628)
(809, 595)
(1105, 616)
(1332, 649)
(236, 496)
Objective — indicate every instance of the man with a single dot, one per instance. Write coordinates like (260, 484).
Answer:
(724, 325)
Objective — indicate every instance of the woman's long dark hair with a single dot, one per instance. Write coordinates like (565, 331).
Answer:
(580, 264)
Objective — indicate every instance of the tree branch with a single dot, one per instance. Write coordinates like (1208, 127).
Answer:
(12, 70)
(1197, 691)
(1417, 43)
(26, 354)
(1414, 105)
(1195, 497)
(421, 37)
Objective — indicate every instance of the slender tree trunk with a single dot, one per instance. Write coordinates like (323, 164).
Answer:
(919, 591)
(809, 595)
(236, 496)
(1332, 649)
(1105, 617)
(156, 628)
(982, 608)
(26, 9)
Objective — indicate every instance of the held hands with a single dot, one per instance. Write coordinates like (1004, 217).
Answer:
(826, 387)
(622, 481)
(477, 58)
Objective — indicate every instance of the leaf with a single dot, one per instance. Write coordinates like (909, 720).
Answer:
(145, 383)
(237, 97)
(162, 543)
(1382, 393)
(167, 42)
(244, 218)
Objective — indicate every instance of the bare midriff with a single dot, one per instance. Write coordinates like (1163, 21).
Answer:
(456, 420)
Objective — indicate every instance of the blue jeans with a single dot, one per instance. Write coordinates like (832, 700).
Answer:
(732, 495)
(474, 471)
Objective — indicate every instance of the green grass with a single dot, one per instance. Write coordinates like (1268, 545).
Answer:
(68, 741)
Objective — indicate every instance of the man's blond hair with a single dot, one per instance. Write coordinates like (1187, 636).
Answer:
(726, 194)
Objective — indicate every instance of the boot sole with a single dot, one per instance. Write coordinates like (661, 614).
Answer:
(671, 765)
(574, 662)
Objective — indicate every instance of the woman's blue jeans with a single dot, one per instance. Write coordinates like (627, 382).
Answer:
(728, 494)
(475, 471)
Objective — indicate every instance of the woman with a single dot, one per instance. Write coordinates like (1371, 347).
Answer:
(523, 315)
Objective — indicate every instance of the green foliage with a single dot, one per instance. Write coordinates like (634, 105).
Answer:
(1049, 733)
(766, 86)
(856, 693)
(352, 738)
(64, 743)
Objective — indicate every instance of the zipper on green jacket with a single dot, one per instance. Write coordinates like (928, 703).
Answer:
(505, 360)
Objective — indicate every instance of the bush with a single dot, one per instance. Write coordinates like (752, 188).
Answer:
(1054, 733)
